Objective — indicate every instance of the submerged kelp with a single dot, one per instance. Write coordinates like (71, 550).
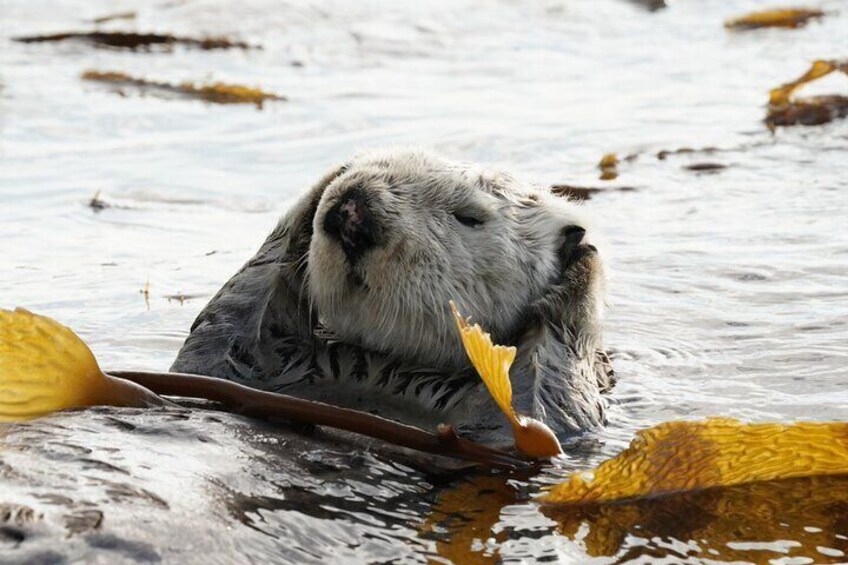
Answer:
(216, 92)
(781, 17)
(137, 41)
(784, 110)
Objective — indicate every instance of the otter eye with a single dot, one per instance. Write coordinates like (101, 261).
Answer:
(469, 221)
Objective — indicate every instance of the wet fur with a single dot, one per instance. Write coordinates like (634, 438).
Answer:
(376, 334)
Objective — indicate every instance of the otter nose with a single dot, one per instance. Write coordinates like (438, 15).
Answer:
(573, 248)
(350, 223)
(573, 235)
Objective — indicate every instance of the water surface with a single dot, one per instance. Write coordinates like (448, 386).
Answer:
(727, 291)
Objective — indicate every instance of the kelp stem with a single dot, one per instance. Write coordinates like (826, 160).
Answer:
(268, 405)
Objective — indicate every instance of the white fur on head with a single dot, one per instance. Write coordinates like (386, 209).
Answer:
(394, 298)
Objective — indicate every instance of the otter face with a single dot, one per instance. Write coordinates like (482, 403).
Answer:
(397, 235)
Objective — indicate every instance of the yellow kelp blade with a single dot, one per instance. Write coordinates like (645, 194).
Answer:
(780, 17)
(492, 363)
(785, 109)
(688, 456)
(781, 95)
(45, 367)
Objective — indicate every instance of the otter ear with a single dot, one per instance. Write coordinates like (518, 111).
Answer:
(262, 307)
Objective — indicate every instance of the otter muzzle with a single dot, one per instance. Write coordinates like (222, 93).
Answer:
(350, 222)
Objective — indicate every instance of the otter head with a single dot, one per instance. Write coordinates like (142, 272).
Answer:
(398, 235)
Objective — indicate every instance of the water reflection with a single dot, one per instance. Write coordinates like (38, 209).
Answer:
(757, 523)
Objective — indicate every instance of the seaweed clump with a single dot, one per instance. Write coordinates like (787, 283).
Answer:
(581, 193)
(786, 110)
(608, 166)
(787, 18)
(216, 92)
(137, 41)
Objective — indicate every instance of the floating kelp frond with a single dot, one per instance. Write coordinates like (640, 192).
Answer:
(689, 456)
(705, 167)
(492, 362)
(608, 166)
(217, 92)
(783, 110)
(133, 40)
(581, 193)
(45, 367)
(663, 154)
(116, 16)
(781, 17)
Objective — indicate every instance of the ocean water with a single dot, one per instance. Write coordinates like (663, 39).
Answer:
(727, 292)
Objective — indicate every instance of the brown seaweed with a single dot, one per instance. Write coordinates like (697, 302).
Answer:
(581, 193)
(786, 110)
(787, 18)
(664, 153)
(216, 92)
(97, 204)
(138, 41)
(705, 167)
(651, 5)
(112, 17)
(608, 166)
(181, 298)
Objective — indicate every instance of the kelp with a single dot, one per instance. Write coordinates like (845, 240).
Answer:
(580, 193)
(138, 41)
(789, 18)
(810, 512)
(730, 524)
(116, 16)
(492, 362)
(705, 167)
(651, 5)
(216, 92)
(608, 166)
(786, 110)
(718, 452)
(98, 204)
(46, 367)
(181, 297)
(663, 154)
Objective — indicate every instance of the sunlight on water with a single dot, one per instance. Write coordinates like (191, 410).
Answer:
(727, 291)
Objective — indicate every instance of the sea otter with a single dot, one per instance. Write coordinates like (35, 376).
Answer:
(347, 301)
